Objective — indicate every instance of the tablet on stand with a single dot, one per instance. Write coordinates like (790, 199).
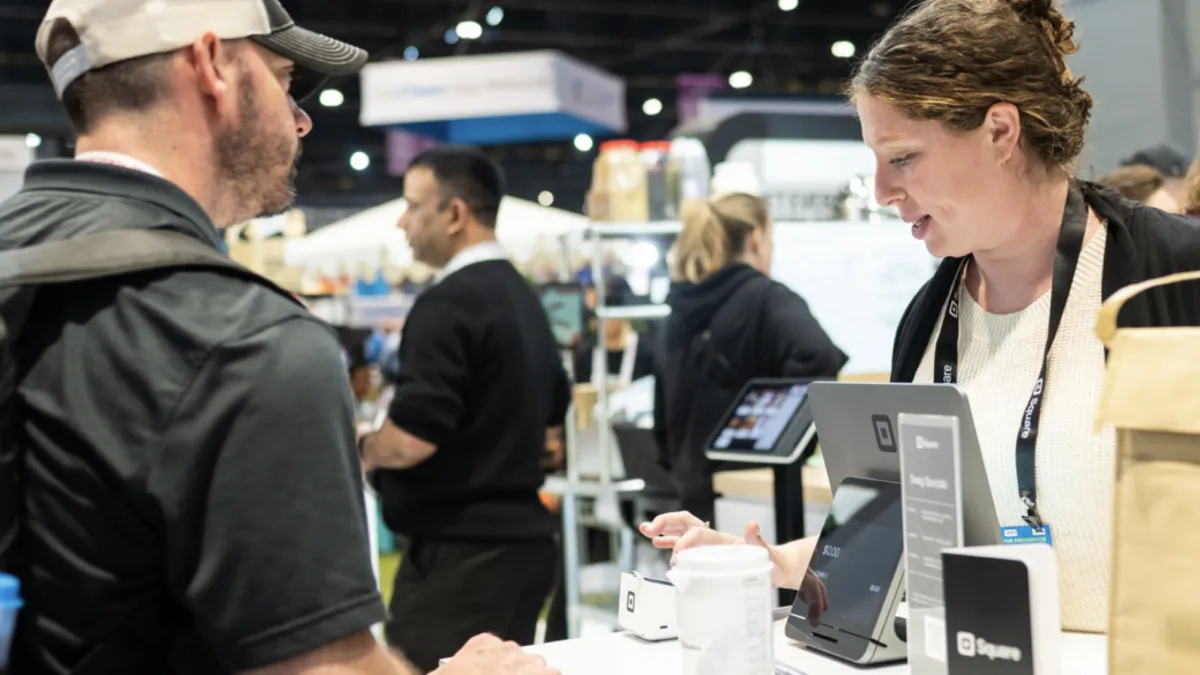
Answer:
(770, 423)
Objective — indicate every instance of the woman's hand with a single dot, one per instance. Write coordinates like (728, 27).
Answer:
(681, 530)
(667, 529)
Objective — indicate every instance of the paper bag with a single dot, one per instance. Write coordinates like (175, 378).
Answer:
(1152, 397)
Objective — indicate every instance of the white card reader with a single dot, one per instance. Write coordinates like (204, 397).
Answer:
(648, 608)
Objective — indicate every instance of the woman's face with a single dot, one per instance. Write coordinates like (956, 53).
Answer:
(952, 188)
(1163, 201)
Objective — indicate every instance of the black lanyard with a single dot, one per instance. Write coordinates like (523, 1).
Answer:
(1070, 246)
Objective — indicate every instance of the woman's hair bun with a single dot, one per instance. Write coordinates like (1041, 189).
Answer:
(1059, 30)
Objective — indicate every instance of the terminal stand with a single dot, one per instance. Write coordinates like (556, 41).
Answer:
(789, 509)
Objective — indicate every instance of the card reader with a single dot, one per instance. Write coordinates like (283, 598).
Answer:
(860, 559)
(648, 608)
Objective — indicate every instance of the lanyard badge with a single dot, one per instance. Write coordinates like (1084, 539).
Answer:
(1069, 248)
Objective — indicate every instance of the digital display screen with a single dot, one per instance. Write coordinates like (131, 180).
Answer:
(857, 554)
(564, 305)
(761, 418)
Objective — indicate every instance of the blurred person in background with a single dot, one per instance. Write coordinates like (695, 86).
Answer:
(1029, 254)
(1170, 162)
(1189, 202)
(191, 495)
(1143, 184)
(458, 462)
(729, 323)
(360, 380)
(628, 354)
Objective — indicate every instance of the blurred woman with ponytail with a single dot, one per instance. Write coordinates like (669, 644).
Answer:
(729, 323)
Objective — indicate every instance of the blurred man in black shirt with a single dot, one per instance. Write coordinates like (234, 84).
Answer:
(480, 384)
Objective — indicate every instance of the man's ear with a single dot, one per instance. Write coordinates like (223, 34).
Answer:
(210, 61)
(1003, 125)
(458, 216)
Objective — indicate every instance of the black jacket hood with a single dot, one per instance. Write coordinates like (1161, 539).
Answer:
(694, 305)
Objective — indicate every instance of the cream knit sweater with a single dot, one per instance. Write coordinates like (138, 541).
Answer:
(999, 359)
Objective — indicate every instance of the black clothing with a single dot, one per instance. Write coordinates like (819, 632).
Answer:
(734, 326)
(448, 592)
(480, 378)
(1143, 243)
(190, 444)
(643, 359)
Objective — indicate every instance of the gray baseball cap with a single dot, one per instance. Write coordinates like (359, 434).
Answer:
(111, 31)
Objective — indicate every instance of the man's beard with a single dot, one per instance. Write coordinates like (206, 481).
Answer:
(256, 165)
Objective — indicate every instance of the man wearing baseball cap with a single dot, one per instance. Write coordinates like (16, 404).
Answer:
(192, 495)
(1169, 161)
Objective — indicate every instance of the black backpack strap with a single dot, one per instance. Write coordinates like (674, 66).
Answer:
(113, 253)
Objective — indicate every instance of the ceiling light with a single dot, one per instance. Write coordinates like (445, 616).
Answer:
(546, 198)
(469, 30)
(494, 16)
(411, 53)
(843, 49)
(652, 106)
(332, 98)
(741, 79)
(451, 36)
(584, 143)
(359, 161)
(33, 141)
(788, 5)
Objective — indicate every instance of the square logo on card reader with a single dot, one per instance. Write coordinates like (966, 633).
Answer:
(884, 436)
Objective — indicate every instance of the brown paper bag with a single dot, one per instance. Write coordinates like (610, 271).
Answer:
(1152, 398)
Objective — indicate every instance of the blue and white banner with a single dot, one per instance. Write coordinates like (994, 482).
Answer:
(494, 98)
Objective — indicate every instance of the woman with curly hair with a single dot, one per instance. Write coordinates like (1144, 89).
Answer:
(977, 122)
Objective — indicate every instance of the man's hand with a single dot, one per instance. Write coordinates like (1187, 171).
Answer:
(393, 448)
(556, 447)
(488, 655)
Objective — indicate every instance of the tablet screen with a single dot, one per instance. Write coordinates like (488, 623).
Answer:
(761, 417)
(564, 305)
(858, 552)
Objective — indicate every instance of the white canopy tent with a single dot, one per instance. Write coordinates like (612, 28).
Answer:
(523, 228)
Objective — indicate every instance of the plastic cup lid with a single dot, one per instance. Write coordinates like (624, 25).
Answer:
(10, 591)
(722, 559)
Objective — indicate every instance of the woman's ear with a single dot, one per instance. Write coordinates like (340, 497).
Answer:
(757, 242)
(1003, 127)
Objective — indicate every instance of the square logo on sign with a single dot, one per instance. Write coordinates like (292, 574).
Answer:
(966, 644)
(884, 436)
(630, 601)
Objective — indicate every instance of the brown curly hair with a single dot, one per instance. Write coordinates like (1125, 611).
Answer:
(952, 60)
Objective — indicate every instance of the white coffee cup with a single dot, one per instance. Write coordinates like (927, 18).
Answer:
(724, 598)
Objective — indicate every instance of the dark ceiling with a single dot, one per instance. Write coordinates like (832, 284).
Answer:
(647, 42)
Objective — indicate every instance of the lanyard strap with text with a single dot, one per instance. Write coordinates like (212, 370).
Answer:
(1070, 246)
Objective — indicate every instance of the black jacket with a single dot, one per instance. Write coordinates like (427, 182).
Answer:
(1143, 243)
(730, 328)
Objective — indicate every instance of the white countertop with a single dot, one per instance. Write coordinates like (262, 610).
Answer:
(624, 654)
